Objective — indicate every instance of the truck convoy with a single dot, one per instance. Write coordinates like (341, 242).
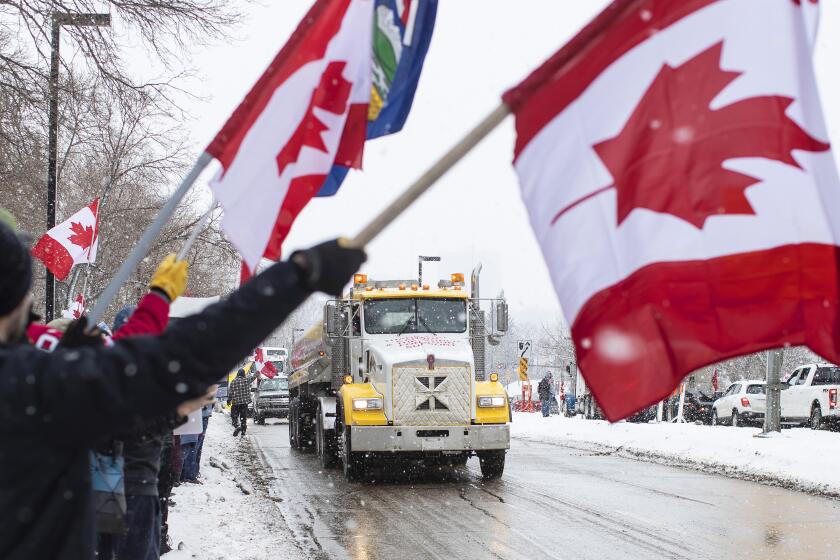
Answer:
(395, 371)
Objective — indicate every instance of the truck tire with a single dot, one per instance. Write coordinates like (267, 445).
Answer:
(259, 419)
(816, 417)
(324, 442)
(492, 463)
(353, 463)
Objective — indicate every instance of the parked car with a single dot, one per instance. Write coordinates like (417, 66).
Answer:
(743, 402)
(698, 406)
(810, 396)
(271, 399)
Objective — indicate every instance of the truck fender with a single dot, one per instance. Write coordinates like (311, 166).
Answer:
(328, 407)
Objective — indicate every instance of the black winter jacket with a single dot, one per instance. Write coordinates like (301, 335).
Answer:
(544, 389)
(55, 406)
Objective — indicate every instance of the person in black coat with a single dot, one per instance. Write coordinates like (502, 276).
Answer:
(545, 390)
(55, 406)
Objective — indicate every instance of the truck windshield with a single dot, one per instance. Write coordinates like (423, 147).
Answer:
(279, 365)
(415, 315)
(276, 384)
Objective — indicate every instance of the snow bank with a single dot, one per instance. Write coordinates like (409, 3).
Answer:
(217, 519)
(797, 458)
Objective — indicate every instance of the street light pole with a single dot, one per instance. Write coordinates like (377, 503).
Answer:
(59, 19)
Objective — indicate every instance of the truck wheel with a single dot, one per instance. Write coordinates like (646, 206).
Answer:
(324, 442)
(305, 426)
(259, 419)
(492, 463)
(816, 417)
(354, 463)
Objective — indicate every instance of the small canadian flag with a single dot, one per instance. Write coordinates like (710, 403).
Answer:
(71, 242)
(76, 309)
(263, 367)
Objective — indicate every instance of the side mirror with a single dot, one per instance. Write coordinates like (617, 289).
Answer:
(330, 323)
(784, 386)
(501, 316)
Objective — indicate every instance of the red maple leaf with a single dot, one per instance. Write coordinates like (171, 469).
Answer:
(331, 94)
(669, 156)
(82, 235)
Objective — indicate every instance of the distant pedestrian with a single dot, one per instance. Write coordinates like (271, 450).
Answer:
(239, 395)
(546, 393)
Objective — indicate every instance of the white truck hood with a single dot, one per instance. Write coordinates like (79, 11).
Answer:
(392, 349)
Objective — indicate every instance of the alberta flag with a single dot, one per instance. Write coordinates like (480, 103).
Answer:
(402, 31)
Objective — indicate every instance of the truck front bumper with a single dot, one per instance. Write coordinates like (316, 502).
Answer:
(430, 438)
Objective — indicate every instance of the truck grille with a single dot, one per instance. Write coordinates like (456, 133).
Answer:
(439, 397)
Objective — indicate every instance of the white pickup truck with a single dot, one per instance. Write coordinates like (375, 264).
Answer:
(810, 395)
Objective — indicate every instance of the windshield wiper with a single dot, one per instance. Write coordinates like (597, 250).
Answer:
(407, 324)
(425, 324)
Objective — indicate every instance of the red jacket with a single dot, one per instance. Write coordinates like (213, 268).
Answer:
(150, 317)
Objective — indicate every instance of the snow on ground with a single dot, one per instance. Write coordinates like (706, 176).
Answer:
(797, 458)
(217, 519)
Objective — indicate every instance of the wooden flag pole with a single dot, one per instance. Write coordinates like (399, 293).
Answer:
(430, 177)
(142, 248)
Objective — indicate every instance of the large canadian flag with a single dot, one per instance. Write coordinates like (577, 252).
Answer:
(71, 242)
(678, 176)
(307, 112)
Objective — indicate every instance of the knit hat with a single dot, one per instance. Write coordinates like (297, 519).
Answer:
(15, 270)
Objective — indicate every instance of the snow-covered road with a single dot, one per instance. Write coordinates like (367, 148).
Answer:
(797, 458)
(554, 501)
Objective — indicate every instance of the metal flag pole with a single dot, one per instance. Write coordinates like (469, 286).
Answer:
(430, 177)
(142, 248)
(197, 229)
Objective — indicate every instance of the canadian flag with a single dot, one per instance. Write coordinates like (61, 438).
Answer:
(71, 242)
(76, 309)
(677, 173)
(307, 112)
(263, 367)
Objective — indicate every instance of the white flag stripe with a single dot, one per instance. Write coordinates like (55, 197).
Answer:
(562, 151)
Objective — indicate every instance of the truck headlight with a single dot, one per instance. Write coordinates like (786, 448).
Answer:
(367, 404)
(488, 402)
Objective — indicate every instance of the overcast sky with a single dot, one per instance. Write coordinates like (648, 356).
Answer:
(474, 214)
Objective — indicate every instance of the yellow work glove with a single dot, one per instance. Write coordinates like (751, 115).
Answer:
(171, 277)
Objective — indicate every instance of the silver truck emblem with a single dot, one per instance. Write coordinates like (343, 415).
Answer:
(430, 392)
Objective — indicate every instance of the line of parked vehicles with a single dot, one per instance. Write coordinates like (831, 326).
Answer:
(808, 397)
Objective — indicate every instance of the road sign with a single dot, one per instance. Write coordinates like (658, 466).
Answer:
(523, 369)
(524, 348)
